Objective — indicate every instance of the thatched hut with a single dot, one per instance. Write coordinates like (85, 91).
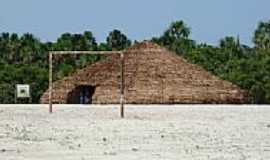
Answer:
(152, 75)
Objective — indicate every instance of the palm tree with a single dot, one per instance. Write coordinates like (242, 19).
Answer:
(178, 30)
(262, 35)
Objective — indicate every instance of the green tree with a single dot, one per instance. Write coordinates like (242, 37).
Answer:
(76, 42)
(262, 35)
(176, 38)
(64, 43)
(178, 30)
(231, 47)
(117, 40)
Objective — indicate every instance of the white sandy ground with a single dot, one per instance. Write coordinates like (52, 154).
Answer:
(165, 132)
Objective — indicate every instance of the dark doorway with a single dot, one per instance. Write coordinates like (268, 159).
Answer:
(81, 95)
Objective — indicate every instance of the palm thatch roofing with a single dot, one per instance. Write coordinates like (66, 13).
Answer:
(152, 75)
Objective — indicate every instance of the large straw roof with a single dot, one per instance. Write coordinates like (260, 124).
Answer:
(152, 75)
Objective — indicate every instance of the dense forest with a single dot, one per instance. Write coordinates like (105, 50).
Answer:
(24, 59)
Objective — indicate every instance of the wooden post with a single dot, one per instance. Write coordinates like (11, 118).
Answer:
(50, 82)
(30, 96)
(15, 98)
(122, 85)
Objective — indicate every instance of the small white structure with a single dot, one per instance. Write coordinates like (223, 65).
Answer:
(22, 91)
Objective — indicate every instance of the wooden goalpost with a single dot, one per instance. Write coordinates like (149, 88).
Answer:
(121, 53)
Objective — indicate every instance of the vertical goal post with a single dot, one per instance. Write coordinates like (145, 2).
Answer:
(121, 53)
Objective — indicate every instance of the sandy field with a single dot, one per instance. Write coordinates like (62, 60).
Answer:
(167, 132)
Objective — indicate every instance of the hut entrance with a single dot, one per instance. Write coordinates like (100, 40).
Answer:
(81, 95)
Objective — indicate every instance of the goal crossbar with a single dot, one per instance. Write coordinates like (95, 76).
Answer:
(51, 53)
(87, 52)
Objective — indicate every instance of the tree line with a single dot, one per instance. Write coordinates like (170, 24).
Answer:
(24, 59)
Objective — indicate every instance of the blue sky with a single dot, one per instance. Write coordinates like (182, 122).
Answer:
(209, 20)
